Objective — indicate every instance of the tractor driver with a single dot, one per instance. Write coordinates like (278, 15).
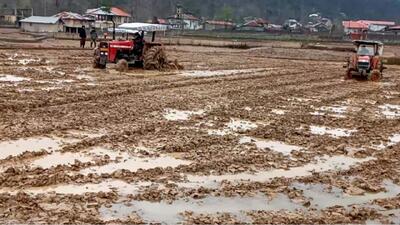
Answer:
(364, 50)
(138, 41)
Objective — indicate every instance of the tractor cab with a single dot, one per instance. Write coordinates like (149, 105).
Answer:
(366, 61)
(133, 50)
(369, 48)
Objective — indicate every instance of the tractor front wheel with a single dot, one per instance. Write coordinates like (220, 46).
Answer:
(122, 65)
(349, 74)
(97, 65)
(155, 58)
(375, 76)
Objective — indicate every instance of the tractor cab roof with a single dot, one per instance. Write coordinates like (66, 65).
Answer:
(364, 42)
(148, 27)
(123, 31)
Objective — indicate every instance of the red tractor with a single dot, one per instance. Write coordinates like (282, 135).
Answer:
(366, 61)
(135, 52)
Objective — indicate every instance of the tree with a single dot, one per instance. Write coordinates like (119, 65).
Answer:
(107, 4)
(226, 13)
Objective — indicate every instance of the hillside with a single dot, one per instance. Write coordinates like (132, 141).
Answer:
(274, 10)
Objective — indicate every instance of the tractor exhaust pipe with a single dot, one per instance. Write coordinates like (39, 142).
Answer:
(113, 28)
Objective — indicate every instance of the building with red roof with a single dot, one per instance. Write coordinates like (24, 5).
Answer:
(218, 25)
(257, 24)
(376, 22)
(366, 25)
(104, 17)
(120, 15)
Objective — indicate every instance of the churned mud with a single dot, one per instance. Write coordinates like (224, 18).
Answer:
(265, 135)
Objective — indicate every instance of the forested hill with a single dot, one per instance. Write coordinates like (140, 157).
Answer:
(273, 10)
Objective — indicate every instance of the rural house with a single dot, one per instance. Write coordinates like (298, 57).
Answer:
(366, 25)
(376, 26)
(12, 16)
(188, 21)
(259, 25)
(74, 21)
(41, 24)
(211, 25)
(103, 18)
(121, 16)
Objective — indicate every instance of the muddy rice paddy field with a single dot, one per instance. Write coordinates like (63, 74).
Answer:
(266, 136)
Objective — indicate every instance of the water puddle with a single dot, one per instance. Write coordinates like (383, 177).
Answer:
(55, 82)
(27, 61)
(333, 132)
(111, 154)
(26, 90)
(119, 186)
(394, 215)
(333, 111)
(162, 212)
(390, 111)
(388, 84)
(321, 198)
(50, 88)
(134, 164)
(324, 164)
(12, 78)
(58, 158)
(85, 77)
(209, 73)
(393, 140)
(219, 132)
(295, 99)
(277, 146)
(278, 111)
(45, 69)
(87, 134)
(241, 125)
(15, 148)
(177, 115)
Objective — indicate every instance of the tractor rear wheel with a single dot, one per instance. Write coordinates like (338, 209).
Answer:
(375, 76)
(155, 58)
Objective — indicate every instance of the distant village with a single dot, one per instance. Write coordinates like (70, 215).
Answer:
(103, 19)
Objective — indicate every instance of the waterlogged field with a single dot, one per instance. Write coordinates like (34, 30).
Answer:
(265, 135)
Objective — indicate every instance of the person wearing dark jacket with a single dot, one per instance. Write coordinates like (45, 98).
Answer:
(82, 35)
(93, 38)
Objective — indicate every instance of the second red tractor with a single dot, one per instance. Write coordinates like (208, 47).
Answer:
(366, 61)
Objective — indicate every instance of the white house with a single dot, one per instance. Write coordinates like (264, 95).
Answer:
(189, 22)
(41, 24)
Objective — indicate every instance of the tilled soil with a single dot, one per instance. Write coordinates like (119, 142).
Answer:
(267, 135)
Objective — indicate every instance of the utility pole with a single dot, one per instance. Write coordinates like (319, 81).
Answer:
(45, 7)
(179, 14)
(136, 10)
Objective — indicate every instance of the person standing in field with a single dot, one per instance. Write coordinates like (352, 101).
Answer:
(82, 35)
(93, 38)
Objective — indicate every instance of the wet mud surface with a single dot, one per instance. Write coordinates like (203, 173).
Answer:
(239, 136)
